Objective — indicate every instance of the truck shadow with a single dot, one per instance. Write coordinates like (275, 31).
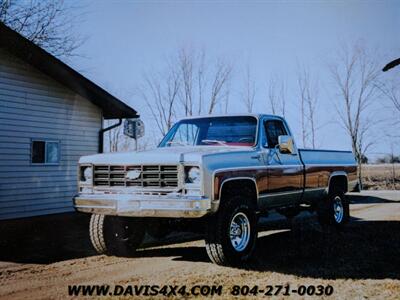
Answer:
(364, 250)
(46, 239)
(60, 237)
(365, 199)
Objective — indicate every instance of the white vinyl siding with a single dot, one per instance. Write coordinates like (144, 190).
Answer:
(35, 107)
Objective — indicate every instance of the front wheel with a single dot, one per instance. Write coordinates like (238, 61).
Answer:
(334, 211)
(232, 233)
(113, 235)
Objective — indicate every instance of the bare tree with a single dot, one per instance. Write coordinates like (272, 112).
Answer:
(160, 92)
(272, 98)
(282, 98)
(114, 139)
(47, 23)
(277, 96)
(355, 73)
(225, 102)
(303, 96)
(202, 81)
(391, 89)
(308, 92)
(186, 61)
(219, 83)
(249, 90)
(128, 144)
(189, 85)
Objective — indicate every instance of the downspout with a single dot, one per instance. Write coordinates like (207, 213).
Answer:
(101, 134)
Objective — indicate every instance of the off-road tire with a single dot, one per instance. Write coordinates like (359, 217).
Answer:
(218, 244)
(96, 233)
(358, 187)
(326, 210)
(113, 235)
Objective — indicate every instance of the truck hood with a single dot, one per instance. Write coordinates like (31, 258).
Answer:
(165, 155)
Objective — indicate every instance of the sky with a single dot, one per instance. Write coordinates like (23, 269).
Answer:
(127, 38)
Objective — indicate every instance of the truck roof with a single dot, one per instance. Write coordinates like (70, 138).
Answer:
(256, 115)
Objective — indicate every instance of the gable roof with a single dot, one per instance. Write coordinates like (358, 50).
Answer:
(26, 50)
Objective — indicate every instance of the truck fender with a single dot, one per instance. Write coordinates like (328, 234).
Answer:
(241, 178)
(335, 175)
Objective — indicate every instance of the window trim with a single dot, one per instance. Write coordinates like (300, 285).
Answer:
(45, 151)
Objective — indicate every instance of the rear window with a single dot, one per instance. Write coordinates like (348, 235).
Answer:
(240, 131)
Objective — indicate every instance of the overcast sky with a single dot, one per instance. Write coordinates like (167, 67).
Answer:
(127, 38)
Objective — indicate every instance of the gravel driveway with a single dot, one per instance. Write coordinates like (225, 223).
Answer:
(40, 257)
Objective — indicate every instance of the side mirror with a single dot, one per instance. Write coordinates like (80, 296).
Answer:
(285, 144)
(134, 128)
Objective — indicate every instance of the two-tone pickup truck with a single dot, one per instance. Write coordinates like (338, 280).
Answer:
(217, 173)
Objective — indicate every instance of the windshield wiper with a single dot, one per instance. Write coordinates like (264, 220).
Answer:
(177, 143)
(214, 142)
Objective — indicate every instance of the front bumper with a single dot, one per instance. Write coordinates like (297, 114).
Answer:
(143, 205)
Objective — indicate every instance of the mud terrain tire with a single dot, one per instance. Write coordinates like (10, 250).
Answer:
(232, 232)
(334, 212)
(113, 235)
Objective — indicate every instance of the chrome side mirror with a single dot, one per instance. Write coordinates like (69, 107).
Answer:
(285, 144)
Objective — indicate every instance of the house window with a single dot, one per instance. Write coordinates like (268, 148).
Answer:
(45, 152)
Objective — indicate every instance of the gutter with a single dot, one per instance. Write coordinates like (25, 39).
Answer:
(103, 130)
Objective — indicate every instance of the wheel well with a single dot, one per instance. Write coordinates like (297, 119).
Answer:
(245, 187)
(338, 181)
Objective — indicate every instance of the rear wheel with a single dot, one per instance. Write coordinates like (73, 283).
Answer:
(232, 232)
(334, 211)
(115, 235)
(357, 188)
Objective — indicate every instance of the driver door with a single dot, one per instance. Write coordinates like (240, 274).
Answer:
(284, 170)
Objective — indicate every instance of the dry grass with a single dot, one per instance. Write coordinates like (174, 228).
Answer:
(381, 177)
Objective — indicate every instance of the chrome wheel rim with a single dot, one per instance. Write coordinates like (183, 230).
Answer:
(338, 210)
(239, 231)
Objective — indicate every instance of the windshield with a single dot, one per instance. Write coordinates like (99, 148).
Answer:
(230, 131)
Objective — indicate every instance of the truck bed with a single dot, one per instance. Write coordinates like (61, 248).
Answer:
(327, 157)
(320, 165)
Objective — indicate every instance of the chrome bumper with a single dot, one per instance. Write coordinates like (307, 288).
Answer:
(143, 205)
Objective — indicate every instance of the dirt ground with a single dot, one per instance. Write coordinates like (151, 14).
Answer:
(40, 257)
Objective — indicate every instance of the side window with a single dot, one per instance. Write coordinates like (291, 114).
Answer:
(273, 129)
(45, 152)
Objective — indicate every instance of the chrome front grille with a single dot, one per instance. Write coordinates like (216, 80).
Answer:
(150, 176)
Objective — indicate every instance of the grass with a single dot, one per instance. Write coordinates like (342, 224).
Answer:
(381, 177)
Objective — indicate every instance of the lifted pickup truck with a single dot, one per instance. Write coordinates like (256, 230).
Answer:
(218, 174)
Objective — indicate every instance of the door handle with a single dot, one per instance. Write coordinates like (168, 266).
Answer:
(258, 156)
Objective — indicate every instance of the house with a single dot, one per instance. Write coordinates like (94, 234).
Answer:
(50, 115)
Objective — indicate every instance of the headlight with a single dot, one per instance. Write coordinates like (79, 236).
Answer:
(86, 174)
(193, 175)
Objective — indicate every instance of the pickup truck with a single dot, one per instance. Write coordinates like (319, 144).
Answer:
(216, 174)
